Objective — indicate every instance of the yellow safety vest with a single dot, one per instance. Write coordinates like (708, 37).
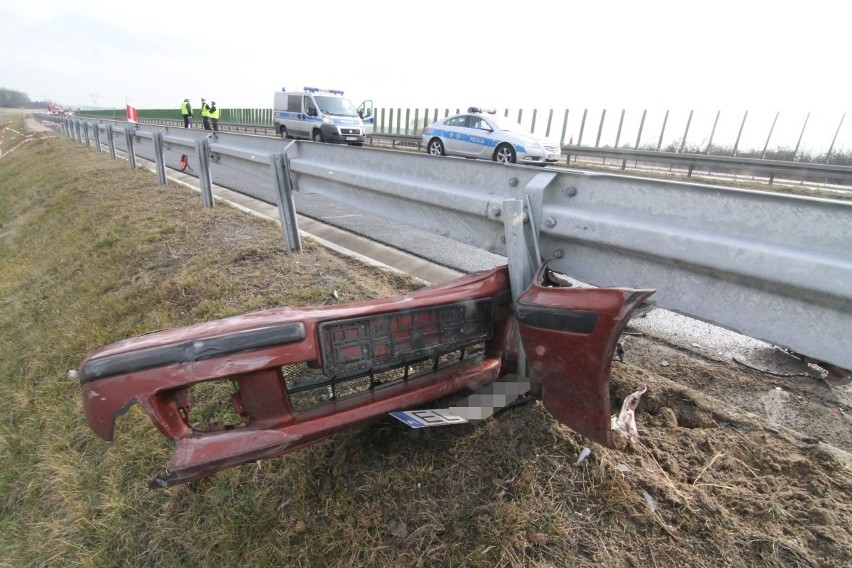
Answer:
(214, 113)
(205, 110)
(183, 109)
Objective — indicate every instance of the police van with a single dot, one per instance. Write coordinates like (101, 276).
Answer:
(322, 116)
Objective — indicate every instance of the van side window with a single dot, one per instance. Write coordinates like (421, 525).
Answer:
(294, 103)
(310, 107)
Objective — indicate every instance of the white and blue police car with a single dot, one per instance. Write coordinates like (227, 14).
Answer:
(482, 134)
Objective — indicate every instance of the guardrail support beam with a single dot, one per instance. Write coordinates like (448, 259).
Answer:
(159, 158)
(284, 197)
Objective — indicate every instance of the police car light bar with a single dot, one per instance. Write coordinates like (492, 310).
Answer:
(316, 90)
(478, 109)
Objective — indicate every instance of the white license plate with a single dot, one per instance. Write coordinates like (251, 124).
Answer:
(352, 138)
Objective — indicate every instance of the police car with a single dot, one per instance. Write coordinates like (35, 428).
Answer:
(483, 134)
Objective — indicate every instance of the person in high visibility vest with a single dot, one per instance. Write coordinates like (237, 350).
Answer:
(186, 112)
(214, 115)
(205, 114)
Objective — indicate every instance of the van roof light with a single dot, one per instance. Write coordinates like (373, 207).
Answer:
(316, 90)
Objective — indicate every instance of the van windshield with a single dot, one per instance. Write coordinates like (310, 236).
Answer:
(337, 106)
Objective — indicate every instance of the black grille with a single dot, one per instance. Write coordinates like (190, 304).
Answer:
(362, 354)
(358, 346)
(308, 387)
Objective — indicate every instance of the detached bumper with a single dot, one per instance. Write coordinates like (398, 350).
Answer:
(299, 375)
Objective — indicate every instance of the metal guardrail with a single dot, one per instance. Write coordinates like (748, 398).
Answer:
(771, 266)
(796, 171)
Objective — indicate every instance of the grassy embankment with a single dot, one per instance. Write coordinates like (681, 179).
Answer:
(92, 252)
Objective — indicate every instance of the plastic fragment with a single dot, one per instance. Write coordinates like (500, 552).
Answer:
(650, 501)
(626, 419)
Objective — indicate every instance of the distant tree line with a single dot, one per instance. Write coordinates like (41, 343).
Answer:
(17, 99)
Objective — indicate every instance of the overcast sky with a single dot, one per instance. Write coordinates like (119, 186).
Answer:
(728, 56)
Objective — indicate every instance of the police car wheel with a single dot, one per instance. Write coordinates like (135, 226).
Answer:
(283, 133)
(505, 154)
(317, 136)
(436, 147)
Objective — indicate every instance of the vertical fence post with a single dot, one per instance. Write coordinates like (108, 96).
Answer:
(564, 127)
(768, 136)
(712, 133)
(407, 120)
(662, 131)
(620, 125)
(739, 134)
(685, 132)
(520, 114)
(582, 127)
(799, 141)
(833, 140)
(641, 127)
(549, 120)
(600, 129)
(535, 114)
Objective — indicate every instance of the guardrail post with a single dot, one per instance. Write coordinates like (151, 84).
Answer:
(96, 130)
(111, 141)
(284, 197)
(518, 262)
(85, 125)
(160, 159)
(131, 155)
(203, 148)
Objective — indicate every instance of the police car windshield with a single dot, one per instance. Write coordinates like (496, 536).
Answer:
(508, 125)
(337, 106)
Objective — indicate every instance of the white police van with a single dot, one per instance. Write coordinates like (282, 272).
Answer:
(322, 116)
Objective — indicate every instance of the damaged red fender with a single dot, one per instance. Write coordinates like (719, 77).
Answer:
(569, 336)
(299, 375)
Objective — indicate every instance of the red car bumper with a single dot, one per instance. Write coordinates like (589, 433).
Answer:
(300, 375)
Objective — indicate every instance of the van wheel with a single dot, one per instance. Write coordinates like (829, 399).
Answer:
(505, 154)
(283, 133)
(435, 147)
(318, 136)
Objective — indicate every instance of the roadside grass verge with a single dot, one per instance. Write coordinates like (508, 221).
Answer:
(92, 252)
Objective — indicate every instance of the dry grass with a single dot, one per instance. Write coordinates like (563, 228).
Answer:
(91, 252)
